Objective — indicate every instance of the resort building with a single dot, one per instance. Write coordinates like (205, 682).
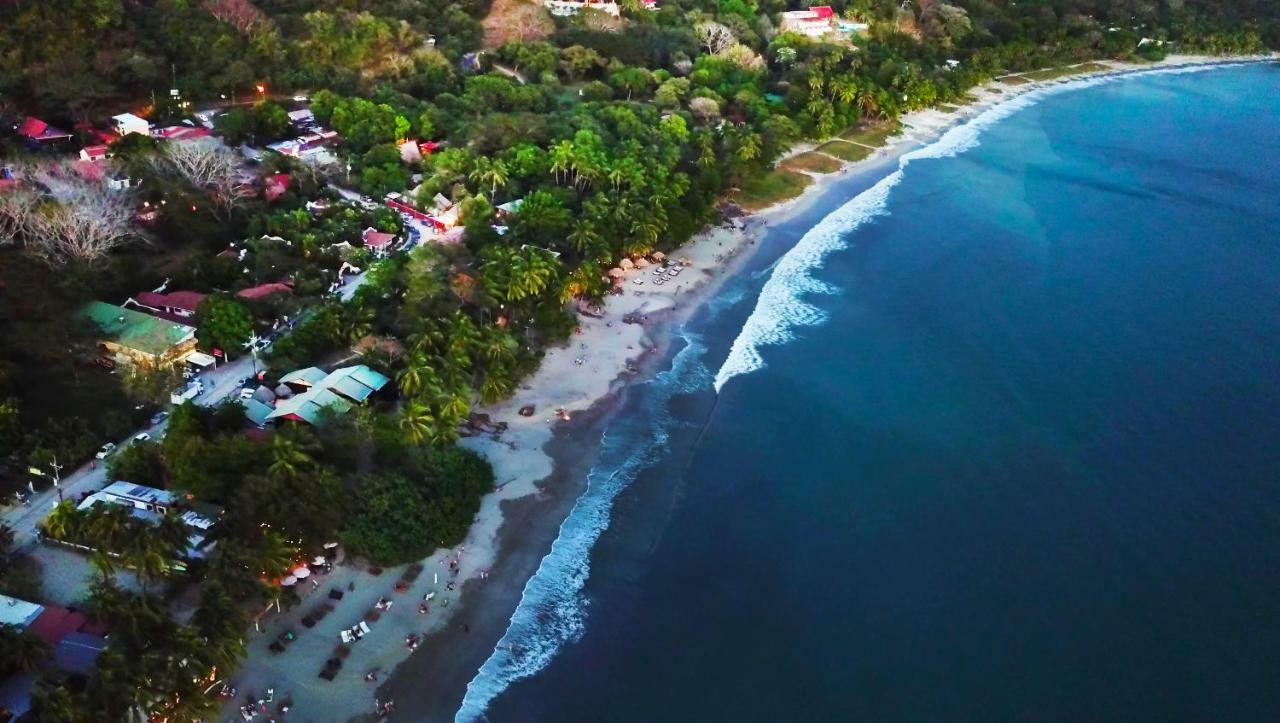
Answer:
(319, 393)
(567, 8)
(150, 504)
(127, 123)
(819, 21)
(131, 336)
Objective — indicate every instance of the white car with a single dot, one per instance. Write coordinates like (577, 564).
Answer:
(355, 633)
(246, 393)
(106, 450)
(300, 99)
(142, 437)
(638, 282)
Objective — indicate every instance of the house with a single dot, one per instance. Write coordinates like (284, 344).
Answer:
(567, 8)
(127, 123)
(119, 181)
(132, 336)
(18, 613)
(178, 306)
(262, 291)
(37, 132)
(816, 22)
(258, 413)
(178, 134)
(305, 145)
(336, 392)
(276, 185)
(378, 241)
(506, 209)
(95, 153)
(149, 505)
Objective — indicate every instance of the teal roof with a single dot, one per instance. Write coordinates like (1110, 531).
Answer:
(306, 377)
(308, 406)
(134, 329)
(356, 383)
(257, 412)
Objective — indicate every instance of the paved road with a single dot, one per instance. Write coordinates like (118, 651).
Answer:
(220, 384)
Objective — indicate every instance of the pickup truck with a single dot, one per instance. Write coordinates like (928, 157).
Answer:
(192, 390)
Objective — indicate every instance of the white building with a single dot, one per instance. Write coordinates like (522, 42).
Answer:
(566, 8)
(150, 504)
(127, 123)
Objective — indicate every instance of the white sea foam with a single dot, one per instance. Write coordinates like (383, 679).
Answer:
(552, 610)
(781, 307)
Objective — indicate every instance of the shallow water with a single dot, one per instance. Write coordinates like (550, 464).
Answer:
(996, 440)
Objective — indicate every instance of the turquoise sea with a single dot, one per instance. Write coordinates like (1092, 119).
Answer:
(991, 436)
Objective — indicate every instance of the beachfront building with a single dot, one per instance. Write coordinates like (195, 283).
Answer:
(132, 337)
(179, 306)
(149, 505)
(319, 393)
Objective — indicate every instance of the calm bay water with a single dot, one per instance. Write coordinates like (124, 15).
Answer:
(1013, 454)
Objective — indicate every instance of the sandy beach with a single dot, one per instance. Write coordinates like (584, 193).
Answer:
(540, 463)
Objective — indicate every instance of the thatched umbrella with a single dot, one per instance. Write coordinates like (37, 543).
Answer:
(626, 264)
(616, 273)
(658, 256)
(641, 262)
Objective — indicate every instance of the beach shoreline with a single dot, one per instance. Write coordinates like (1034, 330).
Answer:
(541, 461)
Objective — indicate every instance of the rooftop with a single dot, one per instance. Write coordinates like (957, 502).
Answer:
(185, 300)
(136, 330)
(18, 612)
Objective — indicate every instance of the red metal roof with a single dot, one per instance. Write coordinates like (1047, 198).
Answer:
(185, 300)
(54, 624)
(824, 12)
(262, 290)
(38, 130)
(377, 239)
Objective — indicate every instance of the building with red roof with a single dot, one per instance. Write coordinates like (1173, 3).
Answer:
(277, 185)
(180, 133)
(824, 12)
(262, 291)
(55, 623)
(176, 306)
(377, 241)
(95, 153)
(37, 131)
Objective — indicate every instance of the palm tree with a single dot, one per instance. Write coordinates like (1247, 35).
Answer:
(108, 526)
(492, 173)
(289, 456)
(497, 384)
(583, 236)
(147, 556)
(415, 375)
(21, 650)
(64, 522)
(417, 422)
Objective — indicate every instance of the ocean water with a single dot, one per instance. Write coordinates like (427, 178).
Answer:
(993, 437)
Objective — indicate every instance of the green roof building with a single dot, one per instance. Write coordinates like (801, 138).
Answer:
(133, 336)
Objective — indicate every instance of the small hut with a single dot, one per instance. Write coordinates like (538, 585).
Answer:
(658, 257)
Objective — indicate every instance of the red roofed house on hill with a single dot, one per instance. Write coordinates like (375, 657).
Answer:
(37, 132)
(177, 306)
(377, 241)
(262, 291)
(95, 153)
(277, 185)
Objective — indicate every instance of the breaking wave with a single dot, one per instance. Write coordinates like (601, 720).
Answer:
(781, 307)
(552, 609)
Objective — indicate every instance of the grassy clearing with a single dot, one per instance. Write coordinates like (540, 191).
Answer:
(873, 135)
(811, 162)
(773, 187)
(1064, 72)
(844, 151)
(1014, 80)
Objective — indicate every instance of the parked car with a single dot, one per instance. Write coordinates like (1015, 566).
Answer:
(246, 393)
(142, 437)
(356, 632)
(158, 417)
(106, 451)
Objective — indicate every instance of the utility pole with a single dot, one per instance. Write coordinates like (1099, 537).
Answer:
(252, 346)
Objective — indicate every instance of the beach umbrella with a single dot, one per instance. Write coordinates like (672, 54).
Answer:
(658, 256)
(302, 572)
(641, 262)
(289, 581)
(616, 273)
(627, 264)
